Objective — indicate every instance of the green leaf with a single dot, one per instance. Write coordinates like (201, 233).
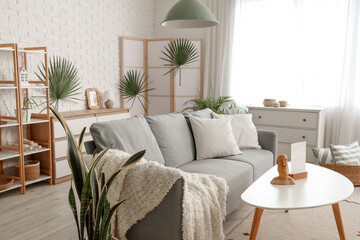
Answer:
(75, 158)
(72, 203)
(179, 52)
(133, 85)
(64, 82)
(86, 192)
(103, 196)
(81, 139)
(105, 229)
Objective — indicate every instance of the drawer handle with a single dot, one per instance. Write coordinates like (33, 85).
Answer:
(303, 136)
(259, 116)
(304, 120)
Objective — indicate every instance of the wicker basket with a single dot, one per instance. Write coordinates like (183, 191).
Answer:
(32, 170)
(349, 171)
(5, 182)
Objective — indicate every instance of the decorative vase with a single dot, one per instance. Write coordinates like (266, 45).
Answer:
(109, 104)
(283, 103)
(26, 114)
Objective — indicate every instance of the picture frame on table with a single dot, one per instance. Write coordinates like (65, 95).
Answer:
(93, 98)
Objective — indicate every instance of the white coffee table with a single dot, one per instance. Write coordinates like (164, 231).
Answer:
(321, 187)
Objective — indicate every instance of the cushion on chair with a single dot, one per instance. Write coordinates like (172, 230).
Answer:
(346, 154)
(323, 155)
(174, 138)
(130, 135)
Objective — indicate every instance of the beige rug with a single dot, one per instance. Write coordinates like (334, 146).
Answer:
(308, 224)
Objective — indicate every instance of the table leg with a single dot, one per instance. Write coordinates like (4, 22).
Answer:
(339, 224)
(255, 223)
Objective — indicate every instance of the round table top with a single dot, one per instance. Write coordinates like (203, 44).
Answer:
(322, 187)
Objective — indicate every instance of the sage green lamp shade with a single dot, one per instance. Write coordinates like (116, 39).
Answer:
(189, 14)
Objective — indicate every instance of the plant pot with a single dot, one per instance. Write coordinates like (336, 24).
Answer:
(26, 114)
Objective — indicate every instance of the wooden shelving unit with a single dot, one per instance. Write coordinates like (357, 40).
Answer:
(37, 129)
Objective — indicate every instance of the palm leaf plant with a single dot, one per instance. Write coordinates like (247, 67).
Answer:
(64, 82)
(179, 52)
(220, 105)
(94, 214)
(133, 86)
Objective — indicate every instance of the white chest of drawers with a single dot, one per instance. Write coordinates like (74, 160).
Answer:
(77, 121)
(292, 125)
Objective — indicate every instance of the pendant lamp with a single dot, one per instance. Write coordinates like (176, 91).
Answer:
(189, 14)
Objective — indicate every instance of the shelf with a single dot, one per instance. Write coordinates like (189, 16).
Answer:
(34, 87)
(7, 87)
(8, 154)
(35, 121)
(9, 124)
(31, 51)
(14, 186)
(6, 50)
(36, 151)
(41, 178)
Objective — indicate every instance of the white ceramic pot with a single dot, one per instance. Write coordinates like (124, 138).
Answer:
(26, 114)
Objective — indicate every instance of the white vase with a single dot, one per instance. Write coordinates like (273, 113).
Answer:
(26, 114)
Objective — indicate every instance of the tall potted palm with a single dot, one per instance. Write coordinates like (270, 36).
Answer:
(93, 216)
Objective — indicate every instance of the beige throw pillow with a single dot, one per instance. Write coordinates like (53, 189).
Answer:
(243, 129)
(213, 138)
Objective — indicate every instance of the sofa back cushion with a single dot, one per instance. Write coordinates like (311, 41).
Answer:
(174, 138)
(205, 113)
(130, 135)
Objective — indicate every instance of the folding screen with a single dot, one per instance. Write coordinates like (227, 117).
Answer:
(133, 58)
(169, 95)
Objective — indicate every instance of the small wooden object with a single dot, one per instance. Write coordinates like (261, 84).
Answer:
(283, 169)
(5, 182)
(93, 98)
(297, 176)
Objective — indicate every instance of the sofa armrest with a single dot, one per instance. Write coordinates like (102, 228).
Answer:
(268, 141)
(90, 147)
(165, 221)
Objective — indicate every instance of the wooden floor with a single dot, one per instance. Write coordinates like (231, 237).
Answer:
(42, 213)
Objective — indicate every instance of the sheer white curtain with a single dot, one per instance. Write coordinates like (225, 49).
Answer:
(218, 48)
(305, 52)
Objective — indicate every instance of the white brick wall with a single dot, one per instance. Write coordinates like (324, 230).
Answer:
(85, 31)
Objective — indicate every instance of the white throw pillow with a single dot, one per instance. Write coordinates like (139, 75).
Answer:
(243, 129)
(213, 138)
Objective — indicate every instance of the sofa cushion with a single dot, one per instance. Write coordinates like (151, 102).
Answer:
(260, 160)
(130, 135)
(213, 138)
(238, 176)
(174, 138)
(205, 113)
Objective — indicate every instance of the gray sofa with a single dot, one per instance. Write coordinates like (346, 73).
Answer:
(168, 140)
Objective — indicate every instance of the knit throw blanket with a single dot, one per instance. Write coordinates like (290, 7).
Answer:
(145, 184)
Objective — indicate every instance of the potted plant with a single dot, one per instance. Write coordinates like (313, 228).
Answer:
(220, 105)
(64, 82)
(26, 109)
(93, 217)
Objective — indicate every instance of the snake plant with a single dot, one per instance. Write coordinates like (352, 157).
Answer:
(133, 86)
(179, 52)
(94, 215)
(64, 82)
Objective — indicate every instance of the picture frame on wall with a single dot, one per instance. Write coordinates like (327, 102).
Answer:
(93, 98)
